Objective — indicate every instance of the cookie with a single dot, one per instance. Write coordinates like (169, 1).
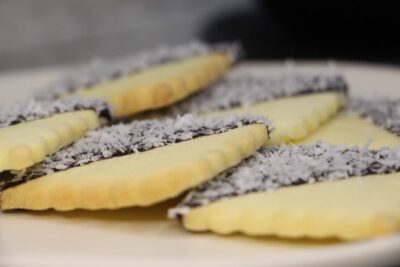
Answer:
(375, 122)
(30, 131)
(298, 103)
(137, 164)
(347, 129)
(294, 118)
(315, 191)
(148, 80)
(358, 208)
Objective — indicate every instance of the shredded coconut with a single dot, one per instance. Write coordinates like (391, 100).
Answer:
(102, 70)
(34, 110)
(274, 167)
(123, 139)
(384, 112)
(238, 90)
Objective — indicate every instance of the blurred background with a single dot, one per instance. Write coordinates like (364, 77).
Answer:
(50, 33)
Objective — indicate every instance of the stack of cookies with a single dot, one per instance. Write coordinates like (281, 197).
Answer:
(289, 155)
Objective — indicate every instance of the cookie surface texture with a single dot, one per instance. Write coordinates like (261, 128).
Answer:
(140, 179)
(356, 208)
(352, 130)
(294, 118)
(25, 144)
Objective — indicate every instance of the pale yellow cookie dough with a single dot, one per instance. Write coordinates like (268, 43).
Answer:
(25, 144)
(294, 118)
(352, 130)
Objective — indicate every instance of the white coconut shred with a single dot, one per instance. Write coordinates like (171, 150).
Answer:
(383, 112)
(238, 89)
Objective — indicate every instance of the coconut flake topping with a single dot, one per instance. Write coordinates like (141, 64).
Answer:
(274, 167)
(384, 112)
(101, 70)
(123, 139)
(238, 90)
(34, 110)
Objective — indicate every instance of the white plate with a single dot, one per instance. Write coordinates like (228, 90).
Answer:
(143, 237)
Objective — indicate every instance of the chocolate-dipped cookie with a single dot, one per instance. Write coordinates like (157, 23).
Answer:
(314, 191)
(149, 80)
(141, 163)
(31, 130)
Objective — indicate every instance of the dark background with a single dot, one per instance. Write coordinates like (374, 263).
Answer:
(48, 32)
(347, 30)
